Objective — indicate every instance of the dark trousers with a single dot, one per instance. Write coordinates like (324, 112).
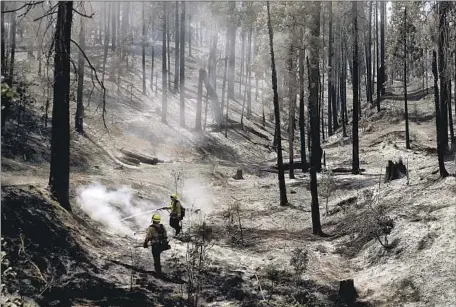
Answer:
(156, 251)
(174, 223)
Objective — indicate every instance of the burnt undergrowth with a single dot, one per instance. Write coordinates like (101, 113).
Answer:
(51, 267)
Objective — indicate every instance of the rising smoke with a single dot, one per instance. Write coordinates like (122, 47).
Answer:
(109, 207)
(121, 212)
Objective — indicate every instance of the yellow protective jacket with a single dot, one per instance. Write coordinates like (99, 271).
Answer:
(156, 233)
(176, 208)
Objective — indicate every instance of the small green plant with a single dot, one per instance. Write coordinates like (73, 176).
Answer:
(196, 260)
(299, 261)
(273, 274)
(233, 225)
(8, 92)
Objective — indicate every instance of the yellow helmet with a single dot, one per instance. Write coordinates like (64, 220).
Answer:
(174, 196)
(156, 218)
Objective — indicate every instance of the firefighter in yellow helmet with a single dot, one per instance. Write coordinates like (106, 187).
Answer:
(176, 214)
(156, 235)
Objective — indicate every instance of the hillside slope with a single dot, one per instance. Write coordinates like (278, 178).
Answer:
(93, 254)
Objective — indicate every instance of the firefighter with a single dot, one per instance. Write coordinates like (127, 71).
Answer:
(176, 214)
(156, 235)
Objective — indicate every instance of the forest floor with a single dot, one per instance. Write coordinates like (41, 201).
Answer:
(91, 257)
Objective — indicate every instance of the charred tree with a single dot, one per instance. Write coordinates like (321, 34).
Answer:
(59, 178)
(442, 49)
(182, 66)
(343, 88)
(316, 151)
(450, 114)
(114, 25)
(379, 81)
(164, 71)
(13, 24)
(168, 57)
(302, 122)
(249, 74)
(106, 41)
(331, 87)
(241, 71)
(190, 33)
(282, 187)
(4, 64)
(232, 53)
(125, 26)
(152, 67)
(176, 49)
(292, 100)
(355, 84)
(79, 117)
(143, 45)
(225, 70)
(395, 170)
(438, 122)
(407, 134)
(382, 47)
(199, 98)
(331, 101)
(369, 58)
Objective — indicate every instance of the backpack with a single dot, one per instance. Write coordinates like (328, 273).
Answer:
(163, 243)
(182, 212)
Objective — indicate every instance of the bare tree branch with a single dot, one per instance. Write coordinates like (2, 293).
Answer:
(23, 6)
(47, 14)
(83, 15)
(98, 80)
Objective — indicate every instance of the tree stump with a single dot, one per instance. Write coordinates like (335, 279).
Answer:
(238, 175)
(395, 170)
(348, 292)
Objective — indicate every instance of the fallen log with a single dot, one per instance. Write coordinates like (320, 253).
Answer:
(345, 170)
(295, 165)
(129, 160)
(140, 157)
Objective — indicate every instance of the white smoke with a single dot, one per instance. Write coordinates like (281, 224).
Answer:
(196, 195)
(109, 207)
(123, 213)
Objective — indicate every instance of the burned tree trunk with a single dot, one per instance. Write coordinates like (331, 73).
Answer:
(106, 43)
(182, 66)
(302, 122)
(13, 24)
(347, 292)
(114, 8)
(395, 170)
(143, 43)
(282, 187)
(238, 175)
(438, 123)
(355, 84)
(176, 49)
(232, 53)
(316, 151)
(79, 117)
(444, 95)
(164, 110)
(249, 74)
(199, 99)
(59, 178)
(3, 42)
